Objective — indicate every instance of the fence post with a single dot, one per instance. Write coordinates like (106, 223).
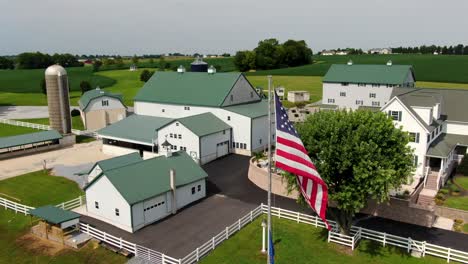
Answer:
(316, 221)
(279, 213)
(163, 259)
(121, 243)
(239, 225)
(424, 248)
(251, 216)
(448, 255)
(212, 243)
(352, 243)
(198, 254)
(297, 218)
(81, 201)
(384, 239)
(409, 244)
(329, 236)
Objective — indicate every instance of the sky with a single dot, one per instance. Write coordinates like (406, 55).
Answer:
(216, 26)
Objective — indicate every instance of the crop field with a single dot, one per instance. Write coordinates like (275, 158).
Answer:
(430, 68)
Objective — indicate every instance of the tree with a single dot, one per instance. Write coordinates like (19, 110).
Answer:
(146, 75)
(361, 155)
(269, 54)
(245, 60)
(296, 53)
(6, 63)
(43, 86)
(85, 86)
(162, 64)
(97, 65)
(151, 61)
(135, 59)
(119, 61)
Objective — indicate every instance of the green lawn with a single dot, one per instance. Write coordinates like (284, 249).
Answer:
(22, 87)
(457, 202)
(39, 188)
(441, 68)
(9, 130)
(127, 83)
(300, 243)
(462, 181)
(77, 123)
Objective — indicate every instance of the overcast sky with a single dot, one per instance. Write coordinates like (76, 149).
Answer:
(214, 26)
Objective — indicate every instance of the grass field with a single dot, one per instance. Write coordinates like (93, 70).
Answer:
(77, 123)
(127, 83)
(303, 244)
(38, 189)
(457, 202)
(441, 68)
(9, 130)
(462, 181)
(22, 87)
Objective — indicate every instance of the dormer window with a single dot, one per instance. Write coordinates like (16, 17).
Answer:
(105, 102)
(396, 115)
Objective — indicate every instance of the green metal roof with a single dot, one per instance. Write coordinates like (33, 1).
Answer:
(445, 143)
(88, 96)
(136, 127)
(188, 88)
(54, 214)
(372, 74)
(117, 162)
(145, 179)
(25, 139)
(252, 110)
(204, 124)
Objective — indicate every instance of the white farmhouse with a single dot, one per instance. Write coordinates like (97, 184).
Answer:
(438, 129)
(225, 105)
(353, 86)
(99, 108)
(140, 193)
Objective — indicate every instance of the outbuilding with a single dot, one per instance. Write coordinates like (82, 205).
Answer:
(133, 196)
(99, 108)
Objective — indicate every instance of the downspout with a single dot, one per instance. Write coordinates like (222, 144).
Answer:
(172, 175)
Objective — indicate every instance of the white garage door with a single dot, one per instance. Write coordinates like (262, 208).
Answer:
(154, 209)
(222, 149)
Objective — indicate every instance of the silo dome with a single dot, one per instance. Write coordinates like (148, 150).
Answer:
(55, 70)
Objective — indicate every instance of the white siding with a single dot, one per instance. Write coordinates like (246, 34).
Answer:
(188, 140)
(354, 92)
(209, 144)
(424, 112)
(96, 104)
(116, 151)
(456, 128)
(103, 192)
(95, 172)
(184, 194)
(260, 133)
(242, 92)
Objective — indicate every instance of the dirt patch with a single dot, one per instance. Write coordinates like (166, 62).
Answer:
(39, 246)
(343, 249)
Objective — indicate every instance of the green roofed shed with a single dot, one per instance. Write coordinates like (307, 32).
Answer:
(188, 88)
(119, 161)
(369, 74)
(31, 138)
(88, 96)
(54, 215)
(252, 110)
(137, 128)
(204, 124)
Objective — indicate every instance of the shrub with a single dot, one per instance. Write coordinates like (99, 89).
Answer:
(458, 221)
(439, 202)
(440, 196)
(444, 191)
(463, 167)
(75, 112)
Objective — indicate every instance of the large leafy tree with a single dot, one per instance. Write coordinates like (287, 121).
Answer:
(361, 155)
(6, 63)
(245, 60)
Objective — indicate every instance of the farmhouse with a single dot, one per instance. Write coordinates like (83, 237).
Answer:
(100, 108)
(206, 114)
(141, 192)
(353, 86)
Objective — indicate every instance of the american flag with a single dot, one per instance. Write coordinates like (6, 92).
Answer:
(291, 156)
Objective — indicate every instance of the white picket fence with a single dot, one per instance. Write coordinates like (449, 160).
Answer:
(45, 127)
(17, 207)
(72, 204)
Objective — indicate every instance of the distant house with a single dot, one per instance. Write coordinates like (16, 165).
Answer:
(353, 86)
(380, 51)
(298, 96)
(133, 67)
(133, 195)
(100, 108)
(328, 53)
(342, 52)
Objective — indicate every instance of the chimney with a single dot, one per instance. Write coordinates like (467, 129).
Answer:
(172, 175)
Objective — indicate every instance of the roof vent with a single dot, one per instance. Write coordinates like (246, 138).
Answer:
(211, 70)
(350, 62)
(181, 69)
(389, 63)
(98, 88)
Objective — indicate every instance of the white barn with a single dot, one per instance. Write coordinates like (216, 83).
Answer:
(138, 194)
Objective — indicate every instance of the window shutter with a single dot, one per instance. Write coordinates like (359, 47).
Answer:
(417, 137)
(389, 112)
(399, 115)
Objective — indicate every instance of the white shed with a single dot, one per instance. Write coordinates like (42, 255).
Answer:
(136, 195)
(298, 96)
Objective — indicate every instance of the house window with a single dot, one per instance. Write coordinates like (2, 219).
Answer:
(260, 141)
(224, 132)
(177, 123)
(344, 84)
(415, 162)
(237, 144)
(96, 205)
(376, 85)
(117, 212)
(163, 110)
(375, 103)
(331, 101)
(251, 94)
(342, 94)
(359, 102)
(193, 190)
(229, 118)
(361, 84)
(170, 135)
(180, 136)
(372, 95)
(105, 102)
(199, 187)
(428, 137)
(186, 107)
(232, 97)
(396, 115)
(414, 137)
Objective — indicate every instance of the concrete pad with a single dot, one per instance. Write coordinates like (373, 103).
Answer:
(443, 223)
(25, 112)
(428, 192)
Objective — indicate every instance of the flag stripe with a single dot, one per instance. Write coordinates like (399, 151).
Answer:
(290, 143)
(298, 168)
(290, 156)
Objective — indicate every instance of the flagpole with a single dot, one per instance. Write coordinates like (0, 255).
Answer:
(269, 170)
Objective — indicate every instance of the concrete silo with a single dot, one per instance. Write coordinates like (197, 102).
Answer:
(58, 99)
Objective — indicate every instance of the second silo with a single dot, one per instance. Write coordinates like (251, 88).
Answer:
(58, 99)
(199, 65)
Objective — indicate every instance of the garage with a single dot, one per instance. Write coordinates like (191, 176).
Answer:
(222, 149)
(154, 209)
